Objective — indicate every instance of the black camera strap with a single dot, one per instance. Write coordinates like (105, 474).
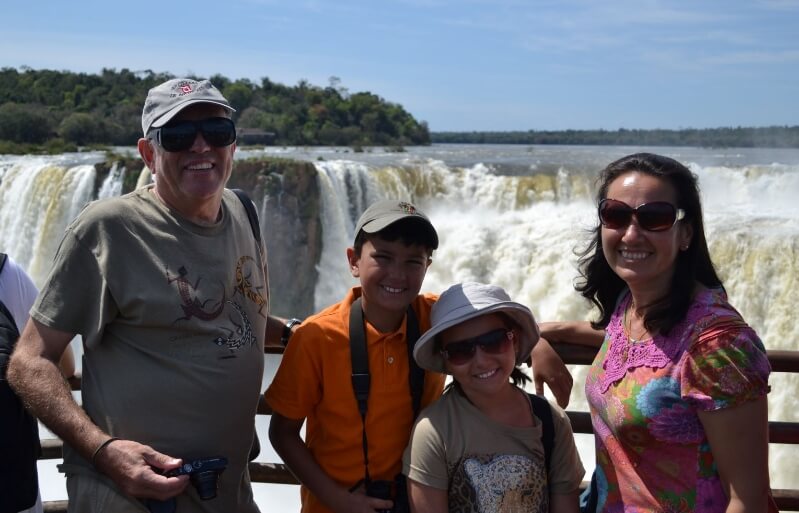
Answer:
(360, 369)
(543, 411)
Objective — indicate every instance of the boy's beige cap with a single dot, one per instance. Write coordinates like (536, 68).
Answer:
(386, 212)
(465, 301)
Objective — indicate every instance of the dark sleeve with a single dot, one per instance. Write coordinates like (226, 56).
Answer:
(19, 432)
(8, 337)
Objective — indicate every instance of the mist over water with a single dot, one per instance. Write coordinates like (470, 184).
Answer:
(509, 215)
(521, 232)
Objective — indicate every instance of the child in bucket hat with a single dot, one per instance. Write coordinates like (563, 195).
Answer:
(479, 447)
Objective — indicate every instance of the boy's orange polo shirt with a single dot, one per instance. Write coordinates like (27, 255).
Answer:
(314, 381)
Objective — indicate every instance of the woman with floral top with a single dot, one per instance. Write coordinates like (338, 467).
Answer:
(677, 391)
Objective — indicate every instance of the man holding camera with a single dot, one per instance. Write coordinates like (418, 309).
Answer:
(167, 286)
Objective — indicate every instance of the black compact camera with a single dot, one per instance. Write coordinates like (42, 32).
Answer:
(395, 490)
(204, 474)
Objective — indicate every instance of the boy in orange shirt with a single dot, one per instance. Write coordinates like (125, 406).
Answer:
(352, 456)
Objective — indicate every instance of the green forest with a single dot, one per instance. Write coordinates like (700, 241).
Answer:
(739, 137)
(59, 110)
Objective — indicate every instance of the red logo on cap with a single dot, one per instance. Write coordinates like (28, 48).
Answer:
(185, 88)
(407, 208)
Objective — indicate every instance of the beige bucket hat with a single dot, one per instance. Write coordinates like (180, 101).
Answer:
(465, 301)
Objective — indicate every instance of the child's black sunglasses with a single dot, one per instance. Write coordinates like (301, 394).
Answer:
(180, 135)
(493, 342)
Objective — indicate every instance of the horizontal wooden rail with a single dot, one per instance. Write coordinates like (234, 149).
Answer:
(787, 500)
(278, 473)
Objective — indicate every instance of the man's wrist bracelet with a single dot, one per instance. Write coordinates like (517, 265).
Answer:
(286, 335)
(103, 446)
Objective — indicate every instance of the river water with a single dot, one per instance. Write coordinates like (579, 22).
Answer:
(510, 215)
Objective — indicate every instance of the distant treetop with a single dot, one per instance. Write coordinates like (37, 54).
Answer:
(39, 106)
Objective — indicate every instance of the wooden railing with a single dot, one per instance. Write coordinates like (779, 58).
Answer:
(278, 473)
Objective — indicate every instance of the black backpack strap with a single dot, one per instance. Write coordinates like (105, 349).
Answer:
(543, 411)
(251, 213)
(3, 258)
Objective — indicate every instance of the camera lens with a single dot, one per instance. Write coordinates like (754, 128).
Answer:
(379, 490)
(205, 483)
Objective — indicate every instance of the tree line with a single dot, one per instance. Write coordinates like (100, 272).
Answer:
(57, 108)
(737, 137)
(61, 110)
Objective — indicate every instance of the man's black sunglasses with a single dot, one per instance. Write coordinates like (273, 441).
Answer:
(180, 135)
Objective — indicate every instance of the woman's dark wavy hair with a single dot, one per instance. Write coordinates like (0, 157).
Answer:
(601, 286)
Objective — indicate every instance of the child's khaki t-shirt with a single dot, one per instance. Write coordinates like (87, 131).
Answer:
(488, 466)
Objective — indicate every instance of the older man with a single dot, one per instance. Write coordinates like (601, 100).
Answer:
(168, 288)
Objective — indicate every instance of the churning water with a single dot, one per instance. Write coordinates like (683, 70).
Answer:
(509, 215)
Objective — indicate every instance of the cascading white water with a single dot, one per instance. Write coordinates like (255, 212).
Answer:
(518, 230)
(346, 190)
(37, 201)
(112, 185)
(522, 232)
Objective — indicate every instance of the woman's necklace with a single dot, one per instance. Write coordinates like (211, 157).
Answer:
(628, 326)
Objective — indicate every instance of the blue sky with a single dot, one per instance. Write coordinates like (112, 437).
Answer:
(459, 65)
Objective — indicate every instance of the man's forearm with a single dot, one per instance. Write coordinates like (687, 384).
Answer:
(274, 331)
(279, 331)
(44, 391)
(34, 374)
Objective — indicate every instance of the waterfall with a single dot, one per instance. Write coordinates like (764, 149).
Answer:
(518, 230)
(112, 185)
(37, 202)
(346, 191)
(521, 233)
